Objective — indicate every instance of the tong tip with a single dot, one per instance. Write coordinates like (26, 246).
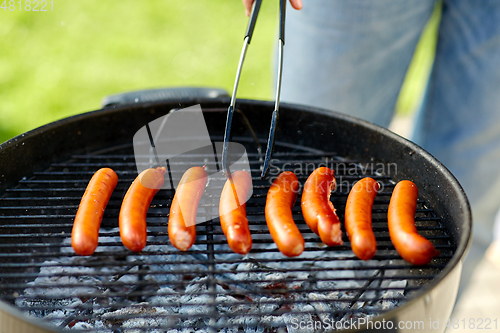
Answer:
(227, 134)
(265, 168)
(270, 145)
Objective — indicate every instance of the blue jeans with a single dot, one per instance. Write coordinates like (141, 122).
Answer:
(351, 56)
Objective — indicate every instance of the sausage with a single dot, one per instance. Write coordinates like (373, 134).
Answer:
(135, 205)
(358, 218)
(182, 218)
(412, 247)
(85, 233)
(318, 210)
(279, 203)
(232, 211)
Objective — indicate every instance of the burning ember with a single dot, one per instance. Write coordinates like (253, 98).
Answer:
(164, 290)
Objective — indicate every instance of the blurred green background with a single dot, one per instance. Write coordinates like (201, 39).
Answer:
(63, 62)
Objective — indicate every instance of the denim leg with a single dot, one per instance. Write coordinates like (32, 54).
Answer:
(351, 56)
(460, 121)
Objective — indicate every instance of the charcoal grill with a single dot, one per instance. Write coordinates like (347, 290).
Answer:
(45, 287)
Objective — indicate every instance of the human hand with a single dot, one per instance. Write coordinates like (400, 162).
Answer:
(296, 4)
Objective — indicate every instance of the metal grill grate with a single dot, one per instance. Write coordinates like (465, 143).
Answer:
(208, 288)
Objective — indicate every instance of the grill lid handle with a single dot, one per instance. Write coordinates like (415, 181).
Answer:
(163, 94)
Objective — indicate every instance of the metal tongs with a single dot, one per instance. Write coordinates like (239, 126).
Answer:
(230, 111)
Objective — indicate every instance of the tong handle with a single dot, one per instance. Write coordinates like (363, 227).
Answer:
(274, 121)
(282, 20)
(253, 19)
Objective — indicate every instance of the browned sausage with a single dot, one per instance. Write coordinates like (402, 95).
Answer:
(358, 218)
(135, 205)
(232, 211)
(85, 233)
(410, 245)
(318, 210)
(280, 200)
(182, 222)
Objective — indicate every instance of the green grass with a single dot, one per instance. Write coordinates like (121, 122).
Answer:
(60, 63)
(63, 62)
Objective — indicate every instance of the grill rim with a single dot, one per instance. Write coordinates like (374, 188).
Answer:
(9, 148)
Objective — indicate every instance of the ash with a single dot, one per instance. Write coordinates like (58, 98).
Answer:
(162, 290)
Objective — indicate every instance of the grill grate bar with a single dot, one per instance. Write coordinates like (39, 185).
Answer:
(378, 223)
(249, 212)
(345, 248)
(124, 279)
(385, 246)
(251, 223)
(119, 264)
(160, 233)
(236, 303)
(347, 255)
(358, 293)
(113, 204)
(381, 247)
(133, 164)
(237, 314)
(40, 199)
(145, 283)
(125, 187)
(249, 154)
(254, 251)
(219, 271)
(129, 180)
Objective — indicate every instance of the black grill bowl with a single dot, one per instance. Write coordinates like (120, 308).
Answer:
(44, 173)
